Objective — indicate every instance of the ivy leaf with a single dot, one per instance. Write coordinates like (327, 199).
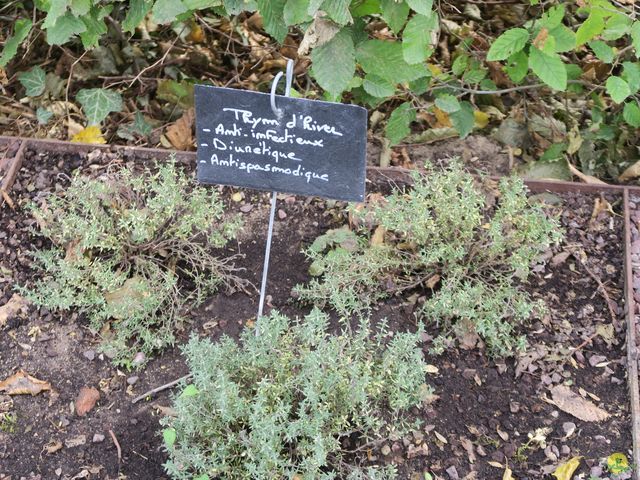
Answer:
(447, 103)
(166, 11)
(64, 29)
(386, 60)
(423, 7)
(43, 115)
(591, 28)
(169, 436)
(617, 89)
(378, 87)
(510, 42)
(138, 9)
(33, 81)
(334, 63)
(394, 13)
(97, 103)
(273, 18)
(95, 26)
(189, 391)
(631, 114)
(295, 12)
(549, 68)
(463, 119)
(20, 32)
(416, 38)
(398, 126)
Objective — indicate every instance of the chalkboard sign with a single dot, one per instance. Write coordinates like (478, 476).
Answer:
(312, 148)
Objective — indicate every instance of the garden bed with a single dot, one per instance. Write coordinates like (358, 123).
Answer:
(483, 410)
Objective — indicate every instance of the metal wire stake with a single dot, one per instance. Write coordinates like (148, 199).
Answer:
(274, 195)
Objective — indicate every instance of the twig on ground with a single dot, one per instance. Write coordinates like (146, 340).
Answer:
(115, 442)
(601, 288)
(161, 388)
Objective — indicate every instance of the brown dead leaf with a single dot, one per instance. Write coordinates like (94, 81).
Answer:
(601, 205)
(180, 133)
(541, 38)
(584, 177)
(573, 404)
(377, 239)
(630, 173)
(52, 447)
(13, 307)
(21, 383)
(86, 400)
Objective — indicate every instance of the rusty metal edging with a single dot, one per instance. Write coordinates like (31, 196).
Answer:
(632, 347)
(402, 175)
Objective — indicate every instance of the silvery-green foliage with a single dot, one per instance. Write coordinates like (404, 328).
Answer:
(132, 250)
(480, 245)
(280, 404)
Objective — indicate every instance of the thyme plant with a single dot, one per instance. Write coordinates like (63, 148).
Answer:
(469, 250)
(132, 252)
(295, 402)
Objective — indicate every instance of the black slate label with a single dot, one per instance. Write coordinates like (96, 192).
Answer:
(313, 148)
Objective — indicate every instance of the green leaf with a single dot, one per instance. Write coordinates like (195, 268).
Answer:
(591, 28)
(631, 75)
(549, 68)
(631, 114)
(463, 120)
(189, 391)
(617, 27)
(423, 7)
(416, 38)
(33, 81)
(394, 13)
(338, 11)
(510, 42)
(204, 476)
(617, 89)
(378, 86)
(603, 51)
(57, 8)
(295, 12)
(386, 60)
(517, 66)
(166, 11)
(398, 126)
(169, 436)
(64, 29)
(138, 9)
(20, 32)
(273, 18)
(334, 63)
(447, 103)
(366, 7)
(80, 7)
(564, 37)
(635, 37)
(553, 17)
(554, 152)
(460, 65)
(43, 115)
(97, 103)
(96, 27)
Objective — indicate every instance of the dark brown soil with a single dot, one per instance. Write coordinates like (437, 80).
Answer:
(484, 411)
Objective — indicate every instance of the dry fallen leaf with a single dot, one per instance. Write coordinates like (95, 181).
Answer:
(584, 177)
(573, 404)
(86, 400)
(377, 239)
(508, 474)
(21, 383)
(565, 470)
(10, 309)
(52, 447)
(630, 173)
(179, 134)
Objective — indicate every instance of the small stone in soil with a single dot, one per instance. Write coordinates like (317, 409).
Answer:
(282, 214)
(98, 438)
(453, 473)
(246, 208)
(89, 354)
(132, 380)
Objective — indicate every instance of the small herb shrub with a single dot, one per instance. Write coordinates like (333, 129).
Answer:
(132, 251)
(281, 405)
(445, 235)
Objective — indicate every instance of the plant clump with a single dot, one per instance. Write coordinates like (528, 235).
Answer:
(288, 403)
(469, 249)
(132, 252)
